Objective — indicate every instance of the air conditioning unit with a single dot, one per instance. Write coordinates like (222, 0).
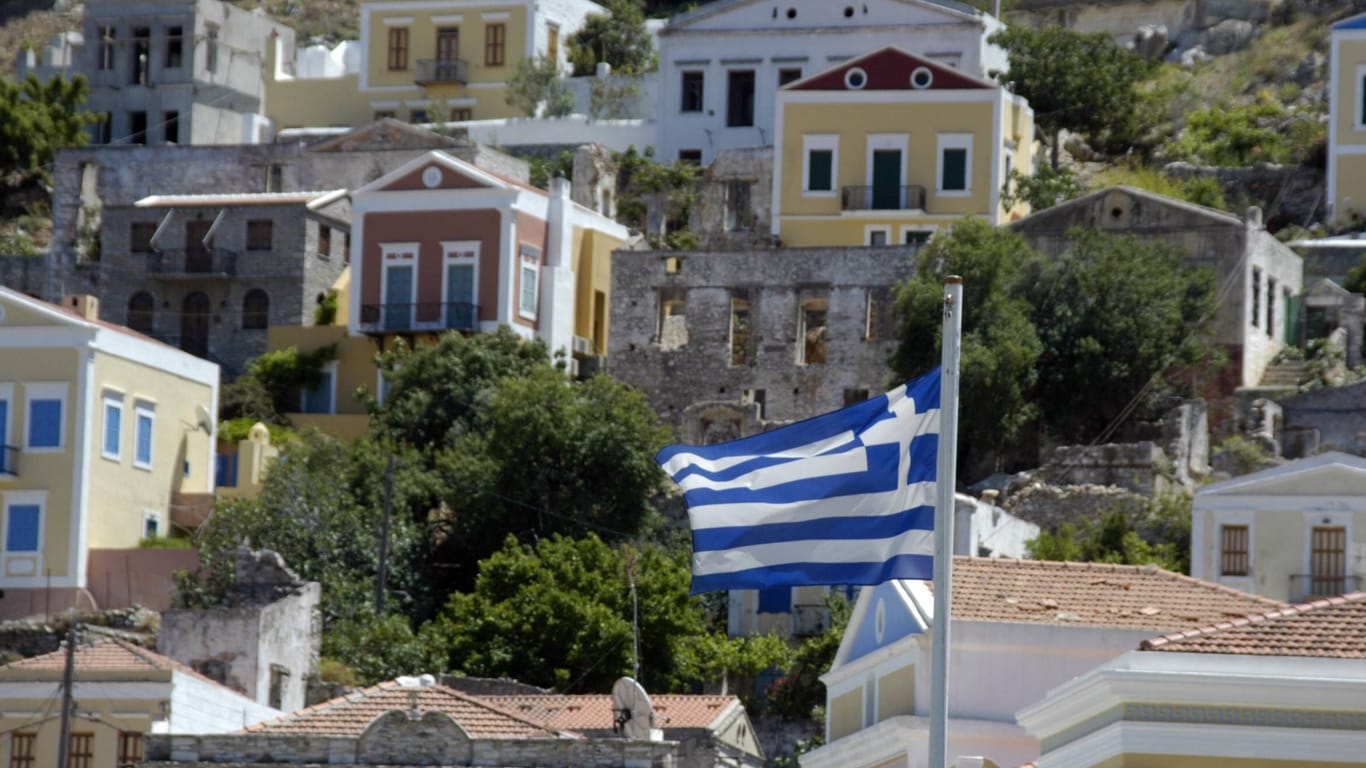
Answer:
(583, 347)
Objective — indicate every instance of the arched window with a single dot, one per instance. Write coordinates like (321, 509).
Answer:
(141, 312)
(255, 309)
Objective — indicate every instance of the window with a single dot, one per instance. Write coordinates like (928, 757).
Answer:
(130, 749)
(955, 163)
(102, 130)
(416, 116)
(137, 127)
(1233, 546)
(821, 153)
(1271, 307)
(854, 396)
(381, 114)
(151, 523)
(1256, 297)
(142, 46)
(113, 426)
(170, 130)
(739, 212)
(398, 48)
(673, 317)
(321, 397)
(552, 46)
(140, 236)
(144, 422)
(279, 681)
(260, 235)
(81, 750)
(7, 466)
(1361, 97)
(915, 238)
(255, 310)
(789, 75)
(811, 332)
(106, 52)
(877, 236)
(275, 177)
(1327, 560)
(494, 36)
(530, 275)
(46, 424)
(690, 156)
(692, 92)
(141, 311)
(324, 241)
(175, 47)
(740, 98)
(459, 286)
(21, 750)
(210, 47)
(24, 520)
(739, 328)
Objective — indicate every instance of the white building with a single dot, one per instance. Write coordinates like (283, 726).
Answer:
(722, 64)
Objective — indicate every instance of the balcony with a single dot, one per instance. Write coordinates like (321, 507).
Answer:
(882, 198)
(1304, 587)
(432, 71)
(192, 263)
(430, 316)
(9, 461)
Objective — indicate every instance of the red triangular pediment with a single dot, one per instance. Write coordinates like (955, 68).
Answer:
(443, 177)
(891, 69)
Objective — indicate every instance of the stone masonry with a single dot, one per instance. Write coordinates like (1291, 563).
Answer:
(725, 343)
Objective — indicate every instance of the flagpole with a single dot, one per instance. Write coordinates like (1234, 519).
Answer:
(943, 520)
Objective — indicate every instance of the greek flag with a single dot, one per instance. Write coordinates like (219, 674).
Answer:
(843, 498)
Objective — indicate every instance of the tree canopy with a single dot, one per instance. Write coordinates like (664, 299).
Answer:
(38, 118)
(618, 38)
(1160, 537)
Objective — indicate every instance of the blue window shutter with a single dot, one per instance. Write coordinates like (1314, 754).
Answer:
(112, 428)
(143, 452)
(45, 423)
(4, 421)
(776, 600)
(21, 529)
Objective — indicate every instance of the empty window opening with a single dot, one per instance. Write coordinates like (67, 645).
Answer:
(758, 397)
(1271, 307)
(170, 127)
(142, 47)
(811, 332)
(175, 47)
(255, 310)
(739, 329)
(740, 98)
(673, 326)
(260, 235)
(137, 127)
(852, 396)
(1256, 297)
(693, 84)
(106, 51)
(279, 683)
(739, 212)
(210, 47)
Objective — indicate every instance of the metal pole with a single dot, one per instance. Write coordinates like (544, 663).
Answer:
(68, 704)
(383, 575)
(943, 520)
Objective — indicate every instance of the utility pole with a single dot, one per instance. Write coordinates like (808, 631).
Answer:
(68, 702)
(383, 574)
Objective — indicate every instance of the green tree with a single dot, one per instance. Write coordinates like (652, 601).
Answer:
(559, 614)
(1234, 135)
(270, 386)
(1045, 188)
(536, 88)
(619, 38)
(641, 178)
(1112, 313)
(38, 118)
(999, 346)
(1079, 82)
(1161, 537)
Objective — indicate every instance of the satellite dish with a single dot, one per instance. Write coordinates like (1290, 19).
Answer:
(635, 716)
(201, 415)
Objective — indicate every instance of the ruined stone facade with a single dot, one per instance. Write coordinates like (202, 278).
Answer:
(1331, 419)
(734, 205)
(263, 642)
(725, 343)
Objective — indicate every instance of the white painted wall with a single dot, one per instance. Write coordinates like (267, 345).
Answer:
(617, 135)
(199, 706)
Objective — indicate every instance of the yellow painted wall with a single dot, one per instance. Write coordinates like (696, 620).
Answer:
(1017, 125)
(103, 719)
(1351, 183)
(896, 693)
(1349, 170)
(1169, 761)
(52, 472)
(121, 492)
(846, 714)
(319, 102)
(592, 273)
(355, 360)
(849, 230)
(422, 42)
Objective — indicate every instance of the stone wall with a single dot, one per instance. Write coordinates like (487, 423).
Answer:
(1324, 420)
(726, 342)
(734, 204)
(26, 274)
(1122, 18)
(1049, 506)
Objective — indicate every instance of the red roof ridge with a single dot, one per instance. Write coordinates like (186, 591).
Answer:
(1285, 611)
(487, 705)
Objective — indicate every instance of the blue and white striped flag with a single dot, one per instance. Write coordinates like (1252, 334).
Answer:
(843, 498)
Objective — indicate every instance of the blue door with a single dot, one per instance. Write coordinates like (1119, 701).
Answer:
(398, 297)
(460, 310)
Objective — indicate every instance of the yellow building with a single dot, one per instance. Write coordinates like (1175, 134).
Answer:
(441, 245)
(1347, 120)
(421, 61)
(121, 693)
(108, 437)
(890, 147)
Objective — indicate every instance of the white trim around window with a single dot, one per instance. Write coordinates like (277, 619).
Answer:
(872, 229)
(55, 390)
(820, 141)
(1360, 105)
(24, 499)
(886, 141)
(953, 141)
(111, 432)
(144, 417)
(528, 267)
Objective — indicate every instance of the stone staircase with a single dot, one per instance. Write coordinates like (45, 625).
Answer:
(1285, 374)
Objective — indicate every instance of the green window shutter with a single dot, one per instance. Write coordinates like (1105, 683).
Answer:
(819, 164)
(955, 166)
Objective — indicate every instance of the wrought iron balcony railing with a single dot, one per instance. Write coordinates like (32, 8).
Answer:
(192, 262)
(1304, 586)
(441, 71)
(427, 316)
(882, 198)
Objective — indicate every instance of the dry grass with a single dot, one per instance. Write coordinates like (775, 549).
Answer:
(31, 30)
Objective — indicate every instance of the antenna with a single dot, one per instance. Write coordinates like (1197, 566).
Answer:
(634, 714)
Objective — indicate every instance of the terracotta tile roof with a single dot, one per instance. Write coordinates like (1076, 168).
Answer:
(105, 654)
(594, 712)
(350, 714)
(1093, 594)
(1331, 628)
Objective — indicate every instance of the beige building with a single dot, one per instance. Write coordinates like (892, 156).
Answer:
(1347, 120)
(1019, 629)
(1285, 689)
(890, 147)
(1294, 532)
(122, 692)
(421, 61)
(108, 441)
